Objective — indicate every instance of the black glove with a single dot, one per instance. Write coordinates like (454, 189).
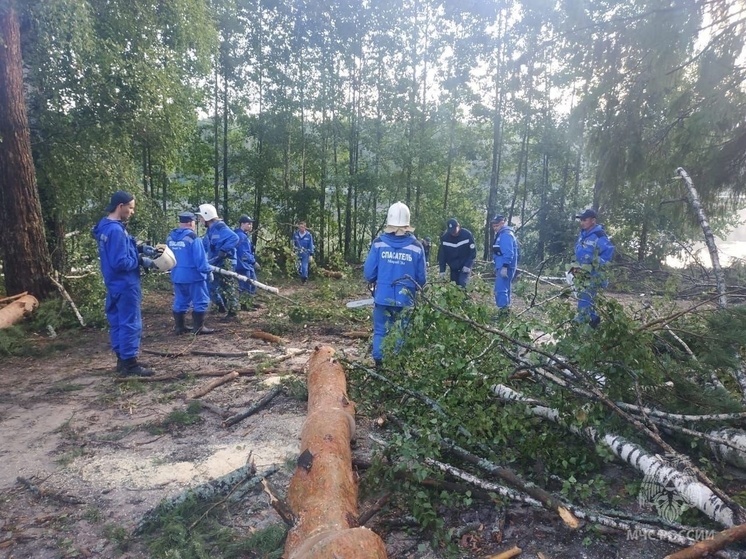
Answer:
(222, 255)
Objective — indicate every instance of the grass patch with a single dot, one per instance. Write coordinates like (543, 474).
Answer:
(177, 419)
(192, 530)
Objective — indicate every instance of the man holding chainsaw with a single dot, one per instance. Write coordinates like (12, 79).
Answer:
(189, 276)
(396, 266)
(121, 257)
(245, 259)
(593, 250)
(221, 252)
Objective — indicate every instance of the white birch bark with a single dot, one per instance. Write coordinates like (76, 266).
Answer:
(695, 493)
(634, 528)
(735, 452)
(693, 197)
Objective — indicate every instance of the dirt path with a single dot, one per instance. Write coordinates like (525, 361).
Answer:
(96, 454)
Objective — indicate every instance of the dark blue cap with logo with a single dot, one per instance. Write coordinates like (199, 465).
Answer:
(187, 217)
(497, 219)
(452, 224)
(245, 219)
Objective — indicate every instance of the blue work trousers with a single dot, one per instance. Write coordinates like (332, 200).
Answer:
(503, 288)
(303, 264)
(125, 320)
(246, 286)
(194, 294)
(384, 317)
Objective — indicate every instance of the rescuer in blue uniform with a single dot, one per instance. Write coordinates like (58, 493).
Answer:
(245, 258)
(505, 257)
(392, 257)
(189, 276)
(593, 250)
(458, 250)
(221, 252)
(304, 248)
(120, 266)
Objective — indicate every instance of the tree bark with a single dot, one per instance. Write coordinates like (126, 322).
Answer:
(15, 311)
(693, 199)
(323, 491)
(28, 265)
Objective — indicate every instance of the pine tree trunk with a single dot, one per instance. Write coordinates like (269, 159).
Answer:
(28, 265)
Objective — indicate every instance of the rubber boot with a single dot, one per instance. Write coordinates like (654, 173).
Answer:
(119, 364)
(131, 368)
(198, 318)
(179, 326)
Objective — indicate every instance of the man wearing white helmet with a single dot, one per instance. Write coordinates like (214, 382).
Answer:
(121, 258)
(396, 266)
(189, 276)
(221, 243)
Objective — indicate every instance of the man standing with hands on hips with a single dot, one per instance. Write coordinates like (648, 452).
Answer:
(505, 257)
(458, 250)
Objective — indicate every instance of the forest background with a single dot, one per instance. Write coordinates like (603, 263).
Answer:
(330, 111)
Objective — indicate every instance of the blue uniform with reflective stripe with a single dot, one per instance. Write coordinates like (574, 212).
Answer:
(120, 267)
(391, 258)
(457, 251)
(190, 274)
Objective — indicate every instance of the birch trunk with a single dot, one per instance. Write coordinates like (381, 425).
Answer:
(693, 198)
(695, 493)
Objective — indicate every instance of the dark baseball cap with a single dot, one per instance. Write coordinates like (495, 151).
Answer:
(452, 224)
(497, 219)
(587, 214)
(119, 197)
(245, 219)
(187, 217)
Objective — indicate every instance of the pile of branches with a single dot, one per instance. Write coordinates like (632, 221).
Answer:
(486, 398)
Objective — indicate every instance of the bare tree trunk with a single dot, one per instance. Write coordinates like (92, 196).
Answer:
(693, 198)
(28, 264)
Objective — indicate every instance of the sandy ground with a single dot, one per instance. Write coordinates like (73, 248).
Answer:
(80, 451)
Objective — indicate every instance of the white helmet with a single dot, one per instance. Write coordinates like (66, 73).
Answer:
(208, 212)
(166, 260)
(398, 216)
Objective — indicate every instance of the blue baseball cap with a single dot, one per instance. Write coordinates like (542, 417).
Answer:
(119, 197)
(497, 219)
(589, 213)
(245, 219)
(187, 217)
(452, 224)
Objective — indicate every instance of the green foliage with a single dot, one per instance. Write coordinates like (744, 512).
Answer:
(12, 341)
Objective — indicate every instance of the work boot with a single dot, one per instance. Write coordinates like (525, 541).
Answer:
(179, 326)
(199, 324)
(221, 307)
(119, 364)
(131, 368)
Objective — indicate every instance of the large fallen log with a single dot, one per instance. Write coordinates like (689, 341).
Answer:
(16, 310)
(323, 492)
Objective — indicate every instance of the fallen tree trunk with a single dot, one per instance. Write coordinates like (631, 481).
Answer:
(323, 491)
(15, 310)
(695, 493)
(711, 545)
